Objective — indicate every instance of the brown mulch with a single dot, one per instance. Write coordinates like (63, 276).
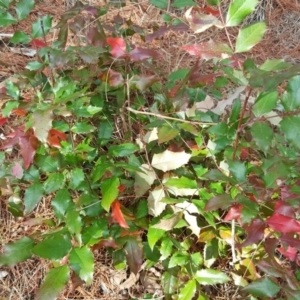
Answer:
(281, 41)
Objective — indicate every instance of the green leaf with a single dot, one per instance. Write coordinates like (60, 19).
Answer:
(275, 65)
(188, 291)
(160, 3)
(262, 134)
(249, 36)
(23, 8)
(169, 283)
(211, 277)
(82, 262)
(178, 259)
(41, 26)
(54, 182)
(153, 236)
(16, 252)
(122, 150)
(12, 90)
(166, 248)
(134, 254)
(265, 103)
(183, 3)
(32, 197)
(6, 19)
(82, 128)
(4, 3)
(263, 287)
(54, 282)
(20, 37)
(34, 65)
(291, 99)
(182, 183)
(77, 177)
(238, 169)
(105, 130)
(109, 190)
(238, 10)
(61, 203)
(166, 133)
(291, 128)
(73, 221)
(53, 247)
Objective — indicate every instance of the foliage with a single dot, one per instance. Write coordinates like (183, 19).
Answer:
(215, 183)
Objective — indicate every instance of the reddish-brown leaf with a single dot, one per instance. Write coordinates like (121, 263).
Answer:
(134, 254)
(121, 188)
(255, 232)
(210, 10)
(283, 223)
(271, 267)
(270, 246)
(198, 79)
(208, 50)
(118, 46)
(19, 112)
(55, 137)
(234, 212)
(244, 154)
(219, 201)
(110, 243)
(286, 194)
(76, 281)
(96, 38)
(28, 144)
(130, 233)
(117, 214)
(161, 31)
(290, 253)
(37, 43)
(139, 54)
(284, 209)
(2, 120)
(289, 240)
(112, 77)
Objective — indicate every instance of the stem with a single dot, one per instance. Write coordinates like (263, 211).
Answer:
(240, 123)
(167, 118)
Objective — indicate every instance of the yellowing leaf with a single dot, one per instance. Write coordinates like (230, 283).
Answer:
(42, 123)
(151, 136)
(143, 180)
(200, 21)
(155, 205)
(169, 160)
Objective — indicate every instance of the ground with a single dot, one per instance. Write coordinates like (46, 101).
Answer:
(281, 41)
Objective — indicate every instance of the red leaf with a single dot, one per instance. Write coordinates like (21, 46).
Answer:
(118, 47)
(2, 120)
(28, 144)
(55, 137)
(283, 223)
(37, 43)
(121, 188)
(255, 232)
(284, 209)
(234, 212)
(290, 241)
(271, 267)
(117, 214)
(138, 54)
(286, 194)
(290, 253)
(210, 10)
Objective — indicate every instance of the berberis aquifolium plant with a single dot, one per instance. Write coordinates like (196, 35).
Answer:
(195, 173)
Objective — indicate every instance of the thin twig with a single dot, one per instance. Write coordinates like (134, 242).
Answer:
(240, 123)
(167, 118)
